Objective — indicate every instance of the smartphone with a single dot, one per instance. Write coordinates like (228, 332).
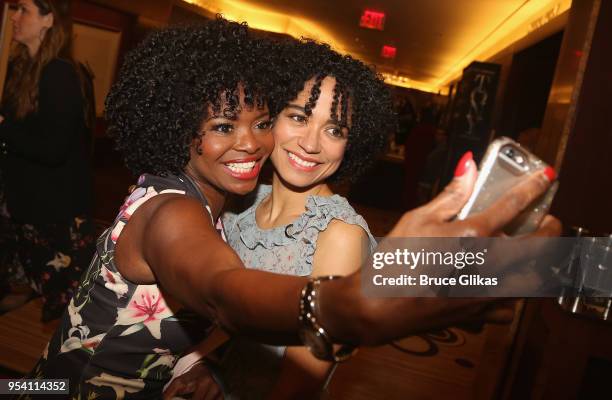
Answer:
(502, 167)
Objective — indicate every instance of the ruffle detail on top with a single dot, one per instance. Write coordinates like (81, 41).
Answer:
(320, 211)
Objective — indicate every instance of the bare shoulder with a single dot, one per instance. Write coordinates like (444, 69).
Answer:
(179, 225)
(171, 241)
(178, 210)
(339, 232)
(341, 248)
(156, 224)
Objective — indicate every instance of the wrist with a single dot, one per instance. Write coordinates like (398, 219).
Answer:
(313, 334)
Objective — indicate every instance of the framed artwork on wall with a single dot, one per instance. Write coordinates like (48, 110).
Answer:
(97, 48)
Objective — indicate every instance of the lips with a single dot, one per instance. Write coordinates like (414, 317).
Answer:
(243, 169)
(301, 163)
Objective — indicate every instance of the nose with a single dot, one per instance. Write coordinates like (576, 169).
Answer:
(309, 141)
(15, 16)
(247, 141)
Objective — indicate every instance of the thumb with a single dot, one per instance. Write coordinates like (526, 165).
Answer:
(454, 196)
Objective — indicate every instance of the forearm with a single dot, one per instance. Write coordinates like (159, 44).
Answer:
(265, 305)
(302, 376)
(348, 317)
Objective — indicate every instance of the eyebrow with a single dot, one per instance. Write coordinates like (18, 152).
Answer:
(234, 117)
(296, 107)
(300, 108)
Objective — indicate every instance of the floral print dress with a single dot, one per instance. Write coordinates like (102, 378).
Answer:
(118, 339)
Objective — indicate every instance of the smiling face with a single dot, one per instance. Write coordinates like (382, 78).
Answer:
(309, 148)
(232, 149)
(29, 26)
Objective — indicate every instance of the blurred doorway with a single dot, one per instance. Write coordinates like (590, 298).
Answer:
(528, 86)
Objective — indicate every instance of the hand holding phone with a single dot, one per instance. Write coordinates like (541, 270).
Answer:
(504, 165)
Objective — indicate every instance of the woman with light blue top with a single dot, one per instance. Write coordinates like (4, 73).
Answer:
(333, 123)
(330, 132)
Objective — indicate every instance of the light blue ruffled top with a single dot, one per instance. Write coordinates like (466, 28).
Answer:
(287, 249)
(249, 369)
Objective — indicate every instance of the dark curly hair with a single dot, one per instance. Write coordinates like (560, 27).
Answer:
(359, 91)
(168, 83)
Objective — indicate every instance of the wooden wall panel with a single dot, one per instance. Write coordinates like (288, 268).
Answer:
(583, 153)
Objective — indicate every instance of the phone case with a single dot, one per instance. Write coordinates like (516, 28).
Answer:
(504, 164)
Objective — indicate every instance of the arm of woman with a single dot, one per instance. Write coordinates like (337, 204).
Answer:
(49, 137)
(178, 244)
(341, 249)
(171, 240)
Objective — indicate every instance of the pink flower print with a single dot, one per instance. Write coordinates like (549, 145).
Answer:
(219, 226)
(78, 335)
(147, 307)
(136, 199)
(91, 343)
(114, 282)
(120, 385)
(164, 359)
(117, 231)
(135, 195)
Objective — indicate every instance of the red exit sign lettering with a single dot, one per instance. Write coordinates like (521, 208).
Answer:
(372, 20)
(388, 52)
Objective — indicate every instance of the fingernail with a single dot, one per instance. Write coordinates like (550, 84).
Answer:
(464, 164)
(550, 173)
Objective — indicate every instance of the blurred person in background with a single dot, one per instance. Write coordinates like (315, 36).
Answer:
(45, 141)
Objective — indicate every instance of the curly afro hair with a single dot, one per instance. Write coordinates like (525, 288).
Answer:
(359, 91)
(170, 81)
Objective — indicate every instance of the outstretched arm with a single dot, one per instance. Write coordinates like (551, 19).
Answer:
(177, 241)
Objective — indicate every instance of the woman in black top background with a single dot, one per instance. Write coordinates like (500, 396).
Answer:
(45, 141)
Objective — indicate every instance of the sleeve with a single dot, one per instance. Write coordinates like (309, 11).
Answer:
(47, 138)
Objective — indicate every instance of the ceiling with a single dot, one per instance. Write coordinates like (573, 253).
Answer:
(435, 39)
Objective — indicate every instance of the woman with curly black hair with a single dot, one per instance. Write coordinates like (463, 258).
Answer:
(333, 126)
(190, 112)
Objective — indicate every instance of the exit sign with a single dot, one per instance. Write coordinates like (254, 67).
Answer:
(388, 52)
(372, 20)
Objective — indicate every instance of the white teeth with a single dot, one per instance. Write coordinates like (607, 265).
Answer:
(241, 168)
(299, 161)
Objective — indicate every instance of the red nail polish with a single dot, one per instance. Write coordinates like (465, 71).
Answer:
(463, 164)
(550, 173)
